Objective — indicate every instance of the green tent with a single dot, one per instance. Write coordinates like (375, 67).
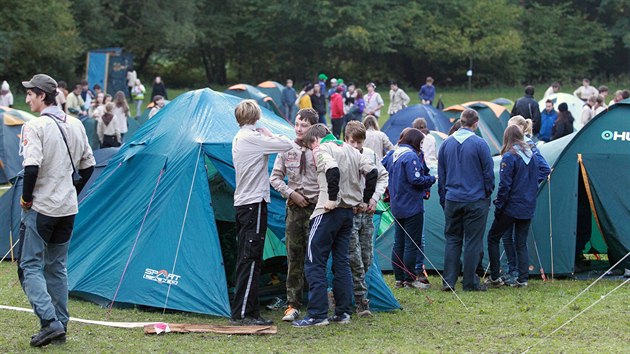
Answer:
(493, 120)
(598, 154)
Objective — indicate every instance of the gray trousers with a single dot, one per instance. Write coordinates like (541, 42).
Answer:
(42, 267)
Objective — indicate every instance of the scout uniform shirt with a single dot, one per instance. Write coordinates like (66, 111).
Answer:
(298, 164)
(383, 175)
(352, 167)
(250, 155)
(42, 145)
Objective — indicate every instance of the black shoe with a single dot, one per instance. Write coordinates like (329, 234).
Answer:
(445, 287)
(480, 287)
(47, 334)
(250, 321)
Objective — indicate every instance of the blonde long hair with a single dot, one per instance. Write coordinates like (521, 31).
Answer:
(525, 124)
(513, 135)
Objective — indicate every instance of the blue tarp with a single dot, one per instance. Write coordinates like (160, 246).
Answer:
(146, 232)
(436, 120)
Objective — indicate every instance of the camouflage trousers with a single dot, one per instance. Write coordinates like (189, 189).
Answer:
(297, 229)
(361, 251)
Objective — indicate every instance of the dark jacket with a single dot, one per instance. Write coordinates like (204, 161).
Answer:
(543, 167)
(527, 107)
(408, 181)
(319, 104)
(563, 126)
(288, 96)
(518, 185)
(547, 120)
(465, 168)
(159, 89)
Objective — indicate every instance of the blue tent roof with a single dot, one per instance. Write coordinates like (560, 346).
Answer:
(146, 232)
(436, 120)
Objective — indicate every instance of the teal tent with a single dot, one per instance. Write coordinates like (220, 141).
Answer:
(11, 122)
(598, 154)
(251, 92)
(493, 120)
(157, 227)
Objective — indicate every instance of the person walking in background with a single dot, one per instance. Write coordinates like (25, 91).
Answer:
(514, 207)
(427, 92)
(465, 184)
(137, 94)
(409, 184)
(251, 148)
(554, 88)
(375, 139)
(429, 146)
(131, 79)
(301, 192)
(318, 100)
(564, 122)
(121, 112)
(288, 99)
(527, 107)
(6, 97)
(547, 119)
(159, 89)
(61, 95)
(585, 91)
(322, 83)
(398, 98)
(373, 101)
(356, 112)
(107, 128)
(336, 111)
(55, 150)
(304, 98)
(361, 248)
(588, 110)
(600, 105)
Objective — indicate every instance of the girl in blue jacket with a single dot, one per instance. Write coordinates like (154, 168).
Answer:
(515, 205)
(409, 183)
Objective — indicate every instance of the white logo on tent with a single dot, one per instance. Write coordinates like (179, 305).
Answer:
(161, 276)
(608, 135)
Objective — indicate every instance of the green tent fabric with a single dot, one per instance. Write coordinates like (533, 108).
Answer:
(89, 124)
(251, 92)
(492, 121)
(604, 145)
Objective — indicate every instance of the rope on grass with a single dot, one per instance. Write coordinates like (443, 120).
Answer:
(181, 232)
(100, 323)
(577, 315)
(580, 294)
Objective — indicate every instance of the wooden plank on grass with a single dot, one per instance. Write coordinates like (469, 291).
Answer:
(207, 328)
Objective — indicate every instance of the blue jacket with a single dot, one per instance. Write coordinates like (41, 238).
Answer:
(547, 120)
(288, 96)
(518, 185)
(427, 93)
(408, 181)
(465, 168)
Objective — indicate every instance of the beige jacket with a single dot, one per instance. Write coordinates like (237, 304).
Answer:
(378, 142)
(352, 167)
(398, 100)
(302, 180)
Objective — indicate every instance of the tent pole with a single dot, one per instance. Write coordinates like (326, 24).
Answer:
(550, 225)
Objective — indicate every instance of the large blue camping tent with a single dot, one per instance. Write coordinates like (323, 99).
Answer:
(11, 122)
(436, 120)
(149, 232)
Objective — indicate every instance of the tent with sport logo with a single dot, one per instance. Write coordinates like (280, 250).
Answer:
(157, 227)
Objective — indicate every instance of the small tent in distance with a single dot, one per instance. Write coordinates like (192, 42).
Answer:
(436, 120)
(493, 120)
(251, 92)
(574, 104)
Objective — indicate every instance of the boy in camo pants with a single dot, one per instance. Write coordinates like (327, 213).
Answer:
(361, 247)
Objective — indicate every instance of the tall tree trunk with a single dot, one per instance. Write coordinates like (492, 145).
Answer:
(144, 59)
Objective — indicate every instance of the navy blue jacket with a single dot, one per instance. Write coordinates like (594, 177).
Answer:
(543, 167)
(427, 93)
(547, 120)
(288, 96)
(518, 185)
(408, 180)
(465, 168)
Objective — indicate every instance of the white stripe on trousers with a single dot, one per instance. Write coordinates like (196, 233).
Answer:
(316, 222)
(251, 271)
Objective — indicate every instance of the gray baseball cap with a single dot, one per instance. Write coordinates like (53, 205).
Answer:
(42, 82)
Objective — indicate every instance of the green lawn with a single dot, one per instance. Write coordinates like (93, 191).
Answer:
(498, 321)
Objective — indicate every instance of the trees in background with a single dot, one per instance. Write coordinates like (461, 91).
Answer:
(196, 42)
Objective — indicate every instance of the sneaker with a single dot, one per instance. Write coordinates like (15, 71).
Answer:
(277, 304)
(250, 321)
(291, 314)
(363, 308)
(518, 284)
(47, 334)
(480, 287)
(341, 319)
(310, 322)
(399, 284)
(445, 287)
(417, 284)
(508, 280)
(493, 283)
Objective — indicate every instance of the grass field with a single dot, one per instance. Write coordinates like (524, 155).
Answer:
(498, 321)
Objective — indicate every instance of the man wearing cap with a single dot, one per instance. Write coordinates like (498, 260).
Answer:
(373, 101)
(53, 146)
(322, 82)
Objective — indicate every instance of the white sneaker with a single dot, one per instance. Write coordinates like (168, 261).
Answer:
(291, 314)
